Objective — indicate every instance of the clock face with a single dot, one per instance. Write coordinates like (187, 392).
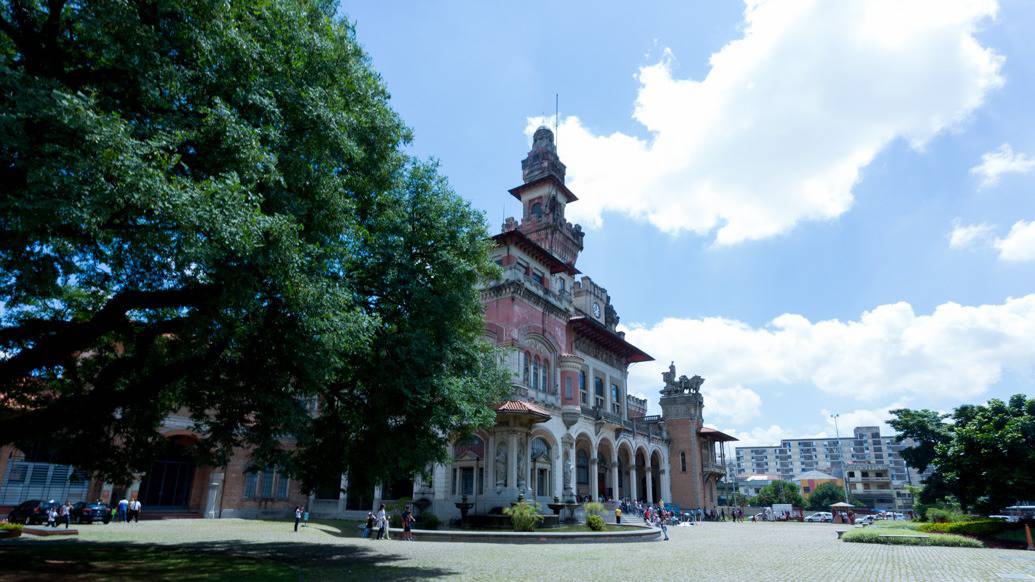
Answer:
(596, 310)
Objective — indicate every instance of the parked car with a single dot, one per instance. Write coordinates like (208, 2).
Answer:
(866, 520)
(820, 517)
(83, 512)
(31, 512)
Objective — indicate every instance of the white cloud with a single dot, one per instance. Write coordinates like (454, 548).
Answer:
(1001, 161)
(769, 436)
(1019, 244)
(848, 421)
(787, 116)
(969, 235)
(735, 404)
(954, 353)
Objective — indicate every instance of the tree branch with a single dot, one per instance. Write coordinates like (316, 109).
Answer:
(77, 337)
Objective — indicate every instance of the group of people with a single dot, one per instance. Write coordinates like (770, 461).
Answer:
(380, 523)
(127, 511)
(301, 517)
(58, 514)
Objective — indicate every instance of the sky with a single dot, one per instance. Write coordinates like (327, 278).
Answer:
(819, 207)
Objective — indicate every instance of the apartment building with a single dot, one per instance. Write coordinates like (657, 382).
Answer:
(829, 455)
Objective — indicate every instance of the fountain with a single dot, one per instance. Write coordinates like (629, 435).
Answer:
(464, 507)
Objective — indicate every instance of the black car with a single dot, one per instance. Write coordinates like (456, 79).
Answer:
(83, 512)
(31, 512)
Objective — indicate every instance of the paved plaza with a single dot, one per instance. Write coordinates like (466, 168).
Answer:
(713, 551)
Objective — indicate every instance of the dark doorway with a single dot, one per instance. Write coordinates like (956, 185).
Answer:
(168, 482)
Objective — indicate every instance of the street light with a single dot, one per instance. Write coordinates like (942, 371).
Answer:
(841, 451)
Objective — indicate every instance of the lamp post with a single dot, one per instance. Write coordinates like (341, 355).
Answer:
(841, 451)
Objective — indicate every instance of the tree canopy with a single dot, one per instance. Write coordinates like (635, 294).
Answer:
(982, 455)
(779, 492)
(207, 209)
(825, 495)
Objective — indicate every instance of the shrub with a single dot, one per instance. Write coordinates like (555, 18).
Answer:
(980, 528)
(871, 536)
(523, 515)
(429, 520)
(937, 515)
(595, 522)
(395, 520)
(10, 527)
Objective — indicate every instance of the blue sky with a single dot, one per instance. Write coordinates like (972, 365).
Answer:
(817, 208)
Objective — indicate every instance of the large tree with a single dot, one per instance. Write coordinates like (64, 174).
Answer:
(780, 492)
(983, 455)
(205, 207)
(825, 495)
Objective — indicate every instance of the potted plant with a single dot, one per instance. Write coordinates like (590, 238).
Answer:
(10, 530)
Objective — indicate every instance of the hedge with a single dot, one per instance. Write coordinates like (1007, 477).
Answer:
(981, 528)
(871, 536)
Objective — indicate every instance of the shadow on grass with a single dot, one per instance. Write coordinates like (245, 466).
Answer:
(222, 560)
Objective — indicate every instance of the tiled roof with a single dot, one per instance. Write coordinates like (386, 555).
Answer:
(522, 407)
(715, 434)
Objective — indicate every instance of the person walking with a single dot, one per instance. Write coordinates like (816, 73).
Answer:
(618, 516)
(135, 506)
(123, 509)
(663, 518)
(66, 513)
(298, 516)
(382, 523)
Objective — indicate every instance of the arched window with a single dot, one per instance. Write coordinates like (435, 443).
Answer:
(540, 449)
(537, 210)
(682, 461)
(545, 381)
(581, 468)
(535, 373)
(525, 375)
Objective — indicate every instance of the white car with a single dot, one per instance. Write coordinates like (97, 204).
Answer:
(820, 517)
(867, 519)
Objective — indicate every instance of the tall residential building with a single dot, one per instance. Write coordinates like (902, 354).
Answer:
(795, 456)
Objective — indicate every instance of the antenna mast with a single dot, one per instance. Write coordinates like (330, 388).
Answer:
(556, 117)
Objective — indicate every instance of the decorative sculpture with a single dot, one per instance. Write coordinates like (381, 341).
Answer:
(501, 464)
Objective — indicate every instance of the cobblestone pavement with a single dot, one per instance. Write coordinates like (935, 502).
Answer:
(712, 551)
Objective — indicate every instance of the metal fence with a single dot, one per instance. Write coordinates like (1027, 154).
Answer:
(23, 481)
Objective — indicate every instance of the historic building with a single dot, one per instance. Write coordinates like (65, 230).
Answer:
(570, 430)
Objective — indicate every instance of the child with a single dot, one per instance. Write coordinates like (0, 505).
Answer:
(305, 518)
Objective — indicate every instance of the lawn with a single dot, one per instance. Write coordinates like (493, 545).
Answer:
(74, 560)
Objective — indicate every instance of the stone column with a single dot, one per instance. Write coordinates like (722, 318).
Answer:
(377, 498)
(614, 478)
(572, 469)
(215, 489)
(650, 483)
(343, 485)
(557, 472)
(607, 393)
(666, 484)
(632, 481)
(594, 479)
(489, 462)
(512, 456)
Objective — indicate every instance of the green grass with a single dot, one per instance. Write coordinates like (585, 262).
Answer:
(41, 560)
(871, 535)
